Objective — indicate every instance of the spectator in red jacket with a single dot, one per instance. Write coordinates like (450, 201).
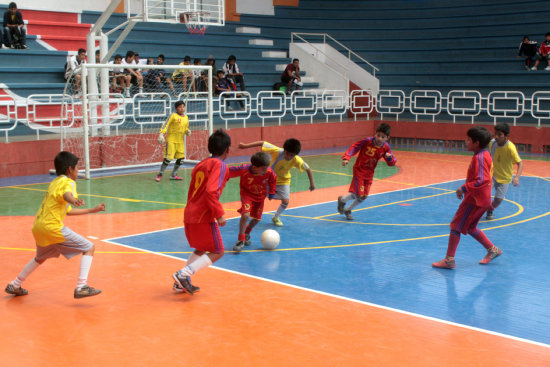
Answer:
(544, 51)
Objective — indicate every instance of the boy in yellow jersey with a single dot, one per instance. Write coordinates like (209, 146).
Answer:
(505, 155)
(175, 128)
(282, 160)
(51, 236)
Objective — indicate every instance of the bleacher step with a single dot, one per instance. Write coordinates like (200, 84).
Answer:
(260, 42)
(250, 30)
(274, 54)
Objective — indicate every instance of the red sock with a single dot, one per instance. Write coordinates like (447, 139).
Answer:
(242, 237)
(454, 239)
(481, 238)
(248, 230)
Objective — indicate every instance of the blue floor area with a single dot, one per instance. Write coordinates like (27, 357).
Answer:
(388, 261)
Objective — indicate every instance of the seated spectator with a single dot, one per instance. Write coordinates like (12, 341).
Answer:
(72, 68)
(163, 77)
(15, 35)
(97, 57)
(200, 85)
(528, 49)
(543, 53)
(212, 62)
(120, 81)
(183, 76)
(232, 72)
(226, 85)
(291, 76)
(135, 75)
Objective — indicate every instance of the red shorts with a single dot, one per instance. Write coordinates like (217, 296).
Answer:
(360, 186)
(204, 237)
(466, 218)
(252, 206)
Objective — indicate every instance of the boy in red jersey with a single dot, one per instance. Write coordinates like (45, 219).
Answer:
(477, 199)
(255, 179)
(203, 210)
(370, 151)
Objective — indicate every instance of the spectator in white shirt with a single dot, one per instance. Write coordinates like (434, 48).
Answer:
(119, 79)
(232, 72)
(72, 67)
(135, 74)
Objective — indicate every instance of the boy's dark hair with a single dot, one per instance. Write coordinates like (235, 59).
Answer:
(219, 71)
(136, 54)
(218, 142)
(231, 58)
(525, 37)
(12, 5)
(97, 52)
(81, 51)
(196, 61)
(161, 56)
(260, 159)
(547, 34)
(62, 162)
(118, 56)
(292, 146)
(503, 128)
(384, 128)
(130, 54)
(187, 58)
(179, 103)
(295, 60)
(480, 134)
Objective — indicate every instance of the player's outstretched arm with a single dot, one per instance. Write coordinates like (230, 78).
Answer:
(251, 145)
(311, 181)
(95, 209)
(69, 198)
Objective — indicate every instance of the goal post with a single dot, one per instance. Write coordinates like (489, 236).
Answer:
(120, 129)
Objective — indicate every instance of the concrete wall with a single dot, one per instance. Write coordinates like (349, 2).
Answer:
(263, 7)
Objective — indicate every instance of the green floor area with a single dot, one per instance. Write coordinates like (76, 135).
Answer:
(139, 192)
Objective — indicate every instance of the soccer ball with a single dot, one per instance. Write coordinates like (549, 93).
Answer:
(270, 239)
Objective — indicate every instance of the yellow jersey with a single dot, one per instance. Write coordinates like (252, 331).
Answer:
(175, 127)
(49, 219)
(504, 158)
(179, 73)
(280, 165)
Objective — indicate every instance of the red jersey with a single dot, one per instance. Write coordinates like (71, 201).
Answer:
(254, 186)
(293, 70)
(368, 156)
(545, 48)
(479, 178)
(207, 182)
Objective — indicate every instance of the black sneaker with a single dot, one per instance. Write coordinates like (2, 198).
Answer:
(15, 291)
(490, 215)
(178, 289)
(183, 281)
(238, 246)
(86, 291)
(341, 205)
(348, 215)
(247, 241)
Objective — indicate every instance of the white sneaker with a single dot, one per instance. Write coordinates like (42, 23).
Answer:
(533, 68)
(547, 68)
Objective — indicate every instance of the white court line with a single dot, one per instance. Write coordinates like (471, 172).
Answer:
(296, 207)
(506, 336)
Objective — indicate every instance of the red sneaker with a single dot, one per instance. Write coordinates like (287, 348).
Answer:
(491, 254)
(158, 178)
(445, 264)
(176, 178)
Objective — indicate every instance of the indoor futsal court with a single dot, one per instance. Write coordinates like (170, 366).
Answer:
(334, 292)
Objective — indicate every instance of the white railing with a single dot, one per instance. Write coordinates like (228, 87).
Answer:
(274, 107)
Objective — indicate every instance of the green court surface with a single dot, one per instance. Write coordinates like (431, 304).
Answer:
(140, 192)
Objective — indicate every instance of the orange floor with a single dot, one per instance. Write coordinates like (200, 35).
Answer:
(235, 320)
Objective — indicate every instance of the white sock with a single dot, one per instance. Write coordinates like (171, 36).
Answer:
(280, 209)
(85, 265)
(27, 270)
(200, 263)
(141, 90)
(354, 204)
(349, 197)
(192, 258)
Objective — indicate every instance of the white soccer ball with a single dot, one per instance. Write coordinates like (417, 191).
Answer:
(270, 239)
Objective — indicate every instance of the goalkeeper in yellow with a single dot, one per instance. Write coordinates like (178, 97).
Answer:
(175, 128)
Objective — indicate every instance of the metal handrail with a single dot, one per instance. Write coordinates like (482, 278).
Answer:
(325, 36)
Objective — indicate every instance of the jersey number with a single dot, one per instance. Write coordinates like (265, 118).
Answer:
(250, 180)
(370, 152)
(199, 179)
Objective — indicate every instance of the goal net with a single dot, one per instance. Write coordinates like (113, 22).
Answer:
(118, 111)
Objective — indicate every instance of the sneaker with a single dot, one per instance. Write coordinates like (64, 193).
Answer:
(183, 281)
(547, 68)
(12, 47)
(533, 68)
(86, 291)
(159, 177)
(16, 291)
(341, 205)
(238, 246)
(176, 178)
(494, 252)
(445, 264)
(348, 215)
(277, 221)
(178, 289)
(247, 241)
(490, 215)
(25, 47)
(527, 67)
(229, 109)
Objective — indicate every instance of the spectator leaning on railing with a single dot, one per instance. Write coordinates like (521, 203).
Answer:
(544, 53)
(72, 68)
(528, 49)
(15, 35)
